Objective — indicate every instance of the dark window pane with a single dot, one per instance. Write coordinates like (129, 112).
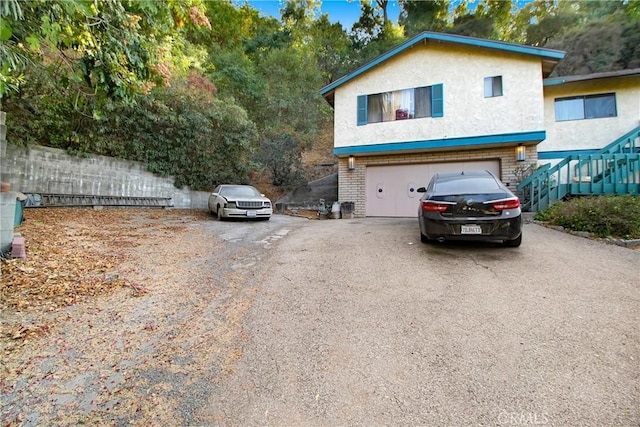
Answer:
(476, 185)
(492, 86)
(600, 106)
(497, 86)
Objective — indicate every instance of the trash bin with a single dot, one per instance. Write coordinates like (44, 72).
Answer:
(19, 215)
(7, 216)
(335, 210)
(347, 208)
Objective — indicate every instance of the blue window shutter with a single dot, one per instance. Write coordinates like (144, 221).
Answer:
(437, 101)
(362, 110)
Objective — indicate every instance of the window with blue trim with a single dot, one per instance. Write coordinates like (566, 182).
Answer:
(420, 102)
(585, 107)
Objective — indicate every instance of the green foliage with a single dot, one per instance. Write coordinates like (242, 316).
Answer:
(417, 16)
(185, 132)
(604, 216)
(47, 113)
(332, 49)
(368, 28)
(291, 99)
(473, 26)
(594, 48)
(109, 50)
(235, 74)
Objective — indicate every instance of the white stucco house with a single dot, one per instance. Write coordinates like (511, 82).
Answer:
(442, 102)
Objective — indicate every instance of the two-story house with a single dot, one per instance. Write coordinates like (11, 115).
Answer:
(437, 103)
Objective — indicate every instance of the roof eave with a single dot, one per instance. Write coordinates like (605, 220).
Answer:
(556, 81)
(549, 57)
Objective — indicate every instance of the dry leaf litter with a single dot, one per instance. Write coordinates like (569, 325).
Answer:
(118, 316)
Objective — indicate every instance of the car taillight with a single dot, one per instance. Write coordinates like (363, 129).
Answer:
(506, 204)
(434, 206)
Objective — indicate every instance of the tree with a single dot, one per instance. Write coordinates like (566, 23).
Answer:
(472, 25)
(368, 28)
(331, 47)
(106, 50)
(281, 154)
(183, 130)
(597, 47)
(545, 21)
(417, 16)
(236, 76)
(382, 5)
(11, 60)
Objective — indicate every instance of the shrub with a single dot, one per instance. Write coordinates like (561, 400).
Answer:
(604, 216)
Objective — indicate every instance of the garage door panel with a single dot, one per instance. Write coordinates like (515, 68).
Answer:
(392, 190)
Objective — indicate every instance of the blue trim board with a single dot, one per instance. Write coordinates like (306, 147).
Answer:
(561, 154)
(450, 38)
(634, 72)
(442, 144)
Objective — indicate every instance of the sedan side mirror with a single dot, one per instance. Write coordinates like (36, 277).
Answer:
(421, 190)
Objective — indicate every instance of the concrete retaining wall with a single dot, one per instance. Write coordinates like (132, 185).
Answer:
(38, 169)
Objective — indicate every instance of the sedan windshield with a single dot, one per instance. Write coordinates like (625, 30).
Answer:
(240, 192)
(475, 185)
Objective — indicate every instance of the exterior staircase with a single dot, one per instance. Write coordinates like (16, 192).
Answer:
(615, 169)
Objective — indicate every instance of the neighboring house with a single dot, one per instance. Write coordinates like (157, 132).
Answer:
(585, 113)
(442, 102)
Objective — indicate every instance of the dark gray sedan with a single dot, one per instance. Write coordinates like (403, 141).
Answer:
(239, 201)
(470, 205)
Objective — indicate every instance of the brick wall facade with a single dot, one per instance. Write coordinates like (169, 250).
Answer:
(351, 183)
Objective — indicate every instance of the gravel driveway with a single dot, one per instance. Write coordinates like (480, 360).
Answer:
(358, 323)
(340, 322)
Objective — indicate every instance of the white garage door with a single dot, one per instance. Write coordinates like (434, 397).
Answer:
(391, 190)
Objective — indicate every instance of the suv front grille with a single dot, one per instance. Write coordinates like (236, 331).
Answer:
(249, 205)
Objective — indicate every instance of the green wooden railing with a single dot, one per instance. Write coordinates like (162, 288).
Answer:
(615, 169)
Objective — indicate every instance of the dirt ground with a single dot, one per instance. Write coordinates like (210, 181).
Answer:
(96, 327)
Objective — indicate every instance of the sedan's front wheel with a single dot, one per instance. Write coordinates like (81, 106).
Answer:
(219, 213)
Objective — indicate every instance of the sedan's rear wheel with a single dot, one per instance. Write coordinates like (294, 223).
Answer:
(514, 243)
(425, 239)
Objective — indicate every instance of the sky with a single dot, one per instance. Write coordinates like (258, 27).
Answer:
(347, 12)
(343, 11)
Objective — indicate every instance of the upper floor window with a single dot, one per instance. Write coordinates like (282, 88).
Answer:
(492, 86)
(586, 107)
(426, 101)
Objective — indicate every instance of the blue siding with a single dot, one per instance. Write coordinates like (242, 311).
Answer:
(440, 144)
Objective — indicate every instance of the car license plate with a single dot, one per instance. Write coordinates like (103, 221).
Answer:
(471, 229)
(251, 213)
